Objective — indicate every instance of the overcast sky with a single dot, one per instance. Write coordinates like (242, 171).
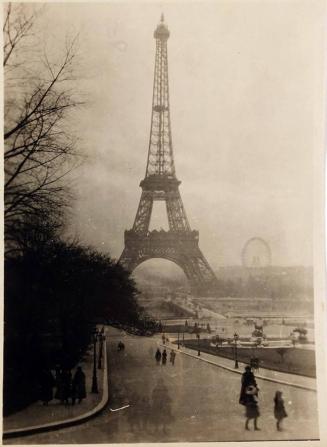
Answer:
(243, 85)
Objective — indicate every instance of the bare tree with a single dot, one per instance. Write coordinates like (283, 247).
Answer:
(39, 149)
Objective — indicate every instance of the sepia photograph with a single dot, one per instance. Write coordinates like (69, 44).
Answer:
(164, 257)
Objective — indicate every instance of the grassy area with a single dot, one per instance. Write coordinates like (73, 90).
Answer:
(290, 360)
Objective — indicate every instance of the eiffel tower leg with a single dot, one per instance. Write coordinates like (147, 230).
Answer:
(175, 211)
(143, 215)
(201, 277)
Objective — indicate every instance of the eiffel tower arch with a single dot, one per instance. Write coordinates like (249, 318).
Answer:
(180, 244)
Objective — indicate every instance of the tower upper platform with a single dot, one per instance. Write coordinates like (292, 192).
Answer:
(161, 32)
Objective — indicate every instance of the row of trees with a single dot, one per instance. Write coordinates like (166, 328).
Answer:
(56, 290)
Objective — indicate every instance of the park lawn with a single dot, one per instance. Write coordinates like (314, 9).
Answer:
(295, 361)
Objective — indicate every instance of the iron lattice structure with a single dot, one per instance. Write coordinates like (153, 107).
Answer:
(179, 244)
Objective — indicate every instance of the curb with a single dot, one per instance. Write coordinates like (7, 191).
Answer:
(25, 431)
(258, 376)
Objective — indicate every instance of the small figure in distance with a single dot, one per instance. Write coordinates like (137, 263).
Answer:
(158, 356)
(172, 357)
(164, 357)
(120, 346)
(279, 409)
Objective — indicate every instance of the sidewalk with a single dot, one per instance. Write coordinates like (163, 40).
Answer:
(306, 383)
(38, 417)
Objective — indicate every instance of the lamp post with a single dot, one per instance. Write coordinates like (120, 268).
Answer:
(94, 377)
(198, 337)
(101, 337)
(235, 350)
(178, 340)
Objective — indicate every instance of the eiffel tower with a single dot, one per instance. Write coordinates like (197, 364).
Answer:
(179, 244)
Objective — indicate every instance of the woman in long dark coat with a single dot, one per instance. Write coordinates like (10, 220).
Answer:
(279, 409)
(251, 407)
(78, 388)
(248, 379)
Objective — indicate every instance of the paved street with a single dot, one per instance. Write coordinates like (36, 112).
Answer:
(197, 402)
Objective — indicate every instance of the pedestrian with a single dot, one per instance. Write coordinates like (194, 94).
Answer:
(251, 406)
(158, 356)
(59, 384)
(247, 380)
(164, 357)
(163, 339)
(120, 346)
(66, 386)
(279, 409)
(172, 357)
(135, 415)
(146, 411)
(47, 382)
(161, 414)
(78, 386)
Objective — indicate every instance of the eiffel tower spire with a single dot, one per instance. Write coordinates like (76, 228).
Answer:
(180, 243)
(160, 155)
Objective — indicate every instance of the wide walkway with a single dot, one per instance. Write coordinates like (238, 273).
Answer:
(190, 401)
(280, 377)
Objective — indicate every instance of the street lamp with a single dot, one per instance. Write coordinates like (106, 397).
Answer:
(198, 337)
(101, 338)
(235, 350)
(178, 340)
(94, 377)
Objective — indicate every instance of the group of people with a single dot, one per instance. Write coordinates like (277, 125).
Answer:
(67, 388)
(249, 398)
(162, 357)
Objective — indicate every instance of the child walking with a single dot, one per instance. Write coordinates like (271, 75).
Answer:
(279, 409)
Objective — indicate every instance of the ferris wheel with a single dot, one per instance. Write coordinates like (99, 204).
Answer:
(256, 253)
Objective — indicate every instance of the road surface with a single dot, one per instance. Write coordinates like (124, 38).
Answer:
(190, 401)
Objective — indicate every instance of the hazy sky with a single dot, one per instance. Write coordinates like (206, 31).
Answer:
(243, 88)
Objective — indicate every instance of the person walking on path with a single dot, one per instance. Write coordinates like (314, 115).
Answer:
(163, 339)
(172, 357)
(47, 383)
(161, 407)
(120, 346)
(279, 409)
(66, 386)
(78, 386)
(251, 406)
(59, 384)
(158, 356)
(247, 380)
(164, 357)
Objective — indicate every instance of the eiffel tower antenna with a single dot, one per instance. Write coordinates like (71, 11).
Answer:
(179, 244)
